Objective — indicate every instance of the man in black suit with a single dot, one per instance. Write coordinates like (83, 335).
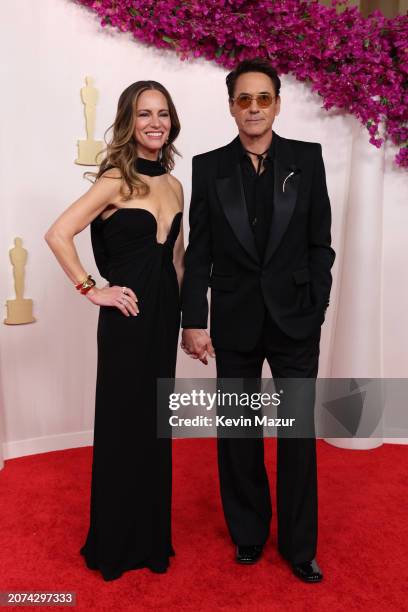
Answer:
(260, 224)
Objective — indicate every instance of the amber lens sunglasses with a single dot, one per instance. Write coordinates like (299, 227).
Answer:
(263, 100)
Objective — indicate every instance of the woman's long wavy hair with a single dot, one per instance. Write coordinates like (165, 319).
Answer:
(121, 151)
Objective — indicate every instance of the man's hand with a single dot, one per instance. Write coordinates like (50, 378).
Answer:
(197, 343)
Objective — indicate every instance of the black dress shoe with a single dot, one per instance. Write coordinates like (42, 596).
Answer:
(308, 571)
(249, 554)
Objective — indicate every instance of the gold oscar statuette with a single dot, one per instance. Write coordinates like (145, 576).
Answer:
(88, 149)
(20, 310)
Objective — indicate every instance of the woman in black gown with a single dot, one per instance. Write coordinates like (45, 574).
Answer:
(134, 210)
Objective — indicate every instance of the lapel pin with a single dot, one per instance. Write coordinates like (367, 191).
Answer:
(289, 175)
(294, 171)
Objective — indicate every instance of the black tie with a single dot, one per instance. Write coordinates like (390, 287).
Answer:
(260, 158)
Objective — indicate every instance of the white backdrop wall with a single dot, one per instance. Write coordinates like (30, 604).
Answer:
(48, 369)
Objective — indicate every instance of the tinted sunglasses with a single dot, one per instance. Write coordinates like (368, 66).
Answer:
(263, 100)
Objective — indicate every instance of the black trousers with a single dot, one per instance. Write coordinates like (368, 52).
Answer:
(243, 479)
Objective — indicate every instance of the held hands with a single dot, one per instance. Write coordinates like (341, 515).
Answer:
(197, 343)
(121, 297)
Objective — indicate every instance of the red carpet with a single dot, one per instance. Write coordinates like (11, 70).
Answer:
(363, 537)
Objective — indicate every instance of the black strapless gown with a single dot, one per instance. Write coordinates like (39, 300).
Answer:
(130, 507)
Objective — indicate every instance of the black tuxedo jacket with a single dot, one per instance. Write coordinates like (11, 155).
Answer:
(293, 281)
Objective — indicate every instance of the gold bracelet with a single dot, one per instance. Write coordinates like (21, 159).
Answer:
(86, 285)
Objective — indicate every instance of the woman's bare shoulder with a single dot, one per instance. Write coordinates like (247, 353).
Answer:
(175, 183)
(111, 173)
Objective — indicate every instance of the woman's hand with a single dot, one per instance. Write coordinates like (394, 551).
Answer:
(121, 297)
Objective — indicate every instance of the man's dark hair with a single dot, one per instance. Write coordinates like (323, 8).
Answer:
(257, 64)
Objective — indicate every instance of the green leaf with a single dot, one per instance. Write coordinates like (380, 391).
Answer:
(169, 40)
(219, 51)
(366, 43)
(134, 12)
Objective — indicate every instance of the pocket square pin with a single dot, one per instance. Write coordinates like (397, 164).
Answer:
(294, 171)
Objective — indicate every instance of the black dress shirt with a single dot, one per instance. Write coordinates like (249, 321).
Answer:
(258, 189)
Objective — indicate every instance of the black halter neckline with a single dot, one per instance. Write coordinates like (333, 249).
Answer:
(151, 167)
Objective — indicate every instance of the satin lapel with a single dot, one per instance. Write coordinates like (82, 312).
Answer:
(230, 191)
(286, 186)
